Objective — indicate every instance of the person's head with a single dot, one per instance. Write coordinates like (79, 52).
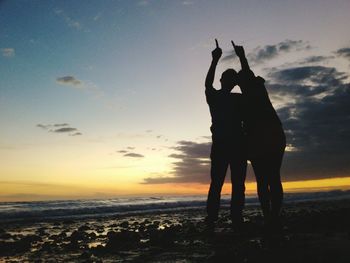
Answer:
(229, 79)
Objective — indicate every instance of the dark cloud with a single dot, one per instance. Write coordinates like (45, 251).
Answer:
(343, 52)
(69, 80)
(134, 155)
(261, 54)
(122, 151)
(268, 52)
(317, 122)
(130, 148)
(191, 164)
(313, 75)
(316, 117)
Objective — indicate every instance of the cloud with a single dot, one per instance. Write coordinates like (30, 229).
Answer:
(60, 124)
(68, 20)
(97, 16)
(314, 109)
(191, 164)
(134, 155)
(316, 75)
(43, 126)
(316, 121)
(143, 3)
(8, 52)
(69, 81)
(268, 52)
(343, 52)
(60, 128)
(65, 129)
(315, 59)
(76, 134)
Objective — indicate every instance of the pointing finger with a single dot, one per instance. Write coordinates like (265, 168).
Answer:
(216, 42)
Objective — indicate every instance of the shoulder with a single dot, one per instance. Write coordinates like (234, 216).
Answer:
(248, 73)
(209, 91)
(260, 80)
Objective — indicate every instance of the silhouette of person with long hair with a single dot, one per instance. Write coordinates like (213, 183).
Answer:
(266, 140)
(227, 141)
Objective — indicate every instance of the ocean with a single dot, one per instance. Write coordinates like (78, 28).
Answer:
(66, 209)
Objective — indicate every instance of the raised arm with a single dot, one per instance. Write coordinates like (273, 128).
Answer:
(216, 54)
(241, 54)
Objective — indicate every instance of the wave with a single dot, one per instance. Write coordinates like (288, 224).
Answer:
(41, 210)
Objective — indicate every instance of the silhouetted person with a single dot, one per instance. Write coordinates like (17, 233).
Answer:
(227, 141)
(265, 140)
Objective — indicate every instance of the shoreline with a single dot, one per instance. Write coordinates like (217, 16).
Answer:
(314, 230)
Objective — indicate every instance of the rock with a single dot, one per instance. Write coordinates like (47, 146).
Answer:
(41, 231)
(125, 224)
(31, 239)
(163, 237)
(5, 235)
(15, 247)
(122, 240)
(84, 228)
(85, 255)
(47, 247)
(78, 236)
(92, 235)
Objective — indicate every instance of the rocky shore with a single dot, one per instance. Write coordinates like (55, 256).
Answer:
(313, 232)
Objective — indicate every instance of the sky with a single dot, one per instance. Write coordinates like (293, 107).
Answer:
(106, 98)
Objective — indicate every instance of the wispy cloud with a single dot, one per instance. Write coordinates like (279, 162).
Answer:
(315, 59)
(344, 52)
(143, 3)
(268, 52)
(68, 20)
(76, 134)
(134, 155)
(8, 52)
(65, 129)
(60, 128)
(69, 81)
(187, 2)
(97, 16)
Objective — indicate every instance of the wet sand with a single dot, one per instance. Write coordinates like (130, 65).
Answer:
(313, 232)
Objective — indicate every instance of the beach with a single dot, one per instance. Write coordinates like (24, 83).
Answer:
(314, 231)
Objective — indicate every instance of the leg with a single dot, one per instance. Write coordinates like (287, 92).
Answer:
(238, 174)
(275, 184)
(260, 170)
(219, 166)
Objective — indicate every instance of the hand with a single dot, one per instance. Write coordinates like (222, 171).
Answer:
(239, 50)
(217, 52)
